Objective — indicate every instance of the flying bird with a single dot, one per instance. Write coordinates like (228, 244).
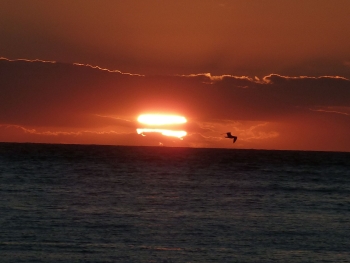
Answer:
(230, 136)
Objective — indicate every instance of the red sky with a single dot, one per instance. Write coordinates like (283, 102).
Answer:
(274, 73)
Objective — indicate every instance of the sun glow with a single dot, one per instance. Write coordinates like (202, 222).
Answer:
(158, 119)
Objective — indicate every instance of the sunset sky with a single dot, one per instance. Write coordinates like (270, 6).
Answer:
(274, 73)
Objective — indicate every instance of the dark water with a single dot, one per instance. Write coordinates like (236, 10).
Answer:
(76, 203)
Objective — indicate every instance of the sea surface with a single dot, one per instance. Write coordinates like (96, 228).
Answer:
(89, 203)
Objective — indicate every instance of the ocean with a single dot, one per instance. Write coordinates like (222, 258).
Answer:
(91, 203)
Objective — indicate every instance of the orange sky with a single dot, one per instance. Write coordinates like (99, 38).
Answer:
(274, 73)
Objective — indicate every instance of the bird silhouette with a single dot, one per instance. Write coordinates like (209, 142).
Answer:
(230, 136)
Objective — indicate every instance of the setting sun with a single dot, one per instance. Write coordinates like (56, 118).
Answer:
(155, 124)
(159, 119)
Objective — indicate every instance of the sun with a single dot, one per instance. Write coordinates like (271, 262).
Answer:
(155, 124)
(161, 119)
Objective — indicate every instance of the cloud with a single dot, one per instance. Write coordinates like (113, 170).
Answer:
(335, 110)
(17, 133)
(254, 133)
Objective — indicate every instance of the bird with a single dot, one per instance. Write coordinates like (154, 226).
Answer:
(230, 136)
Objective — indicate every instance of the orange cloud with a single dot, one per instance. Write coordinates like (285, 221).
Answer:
(336, 110)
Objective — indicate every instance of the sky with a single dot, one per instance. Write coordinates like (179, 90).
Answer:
(274, 73)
